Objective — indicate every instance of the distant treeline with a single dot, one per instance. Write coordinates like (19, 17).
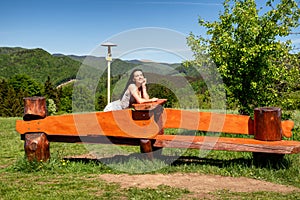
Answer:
(60, 99)
(35, 72)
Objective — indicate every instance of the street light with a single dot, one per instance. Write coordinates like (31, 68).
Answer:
(108, 59)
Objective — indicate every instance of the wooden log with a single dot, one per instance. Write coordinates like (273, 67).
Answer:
(287, 127)
(227, 144)
(149, 105)
(215, 122)
(144, 111)
(158, 117)
(146, 147)
(114, 123)
(141, 115)
(120, 123)
(208, 121)
(36, 147)
(34, 108)
(267, 124)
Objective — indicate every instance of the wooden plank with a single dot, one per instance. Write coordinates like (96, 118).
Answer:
(287, 127)
(120, 123)
(215, 122)
(115, 123)
(208, 121)
(227, 144)
(149, 105)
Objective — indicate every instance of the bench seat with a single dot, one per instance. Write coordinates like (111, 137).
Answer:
(227, 144)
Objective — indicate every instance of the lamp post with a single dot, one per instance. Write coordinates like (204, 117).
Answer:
(108, 59)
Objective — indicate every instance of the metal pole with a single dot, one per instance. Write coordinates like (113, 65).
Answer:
(108, 78)
(108, 59)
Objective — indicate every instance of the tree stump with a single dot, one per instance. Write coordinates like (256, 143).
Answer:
(143, 112)
(267, 124)
(37, 147)
(146, 147)
(34, 108)
(158, 117)
(267, 127)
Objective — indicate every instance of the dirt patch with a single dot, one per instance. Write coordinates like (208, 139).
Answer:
(4, 166)
(197, 183)
(200, 184)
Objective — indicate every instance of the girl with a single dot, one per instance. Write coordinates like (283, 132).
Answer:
(134, 92)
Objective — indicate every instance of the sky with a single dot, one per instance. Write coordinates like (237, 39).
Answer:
(78, 27)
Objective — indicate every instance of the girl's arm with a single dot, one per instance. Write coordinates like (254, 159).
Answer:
(144, 92)
(134, 92)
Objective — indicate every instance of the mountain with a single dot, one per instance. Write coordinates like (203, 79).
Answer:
(7, 50)
(38, 64)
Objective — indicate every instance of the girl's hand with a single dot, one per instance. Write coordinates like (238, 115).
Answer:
(144, 82)
(154, 99)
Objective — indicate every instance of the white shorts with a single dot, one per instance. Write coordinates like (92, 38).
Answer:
(115, 105)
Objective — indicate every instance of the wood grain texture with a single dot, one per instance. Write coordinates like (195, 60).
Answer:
(34, 108)
(267, 124)
(115, 123)
(149, 105)
(215, 122)
(208, 121)
(36, 147)
(227, 144)
(120, 123)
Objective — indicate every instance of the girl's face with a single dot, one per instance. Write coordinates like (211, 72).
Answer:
(138, 77)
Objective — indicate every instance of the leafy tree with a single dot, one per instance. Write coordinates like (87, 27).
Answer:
(12, 104)
(250, 52)
(37, 64)
(50, 91)
(83, 97)
(24, 83)
(101, 101)
(51, 107)
(3, 94)
(66, 99)
(162, 91)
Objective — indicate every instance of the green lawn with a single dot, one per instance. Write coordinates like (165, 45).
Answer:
(62, 178)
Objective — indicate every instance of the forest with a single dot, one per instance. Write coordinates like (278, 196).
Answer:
(35, 72)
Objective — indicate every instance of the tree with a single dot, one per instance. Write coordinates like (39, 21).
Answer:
(66, 98)
(12, 104)
(24, 83)
(249, 50)
(50, 92)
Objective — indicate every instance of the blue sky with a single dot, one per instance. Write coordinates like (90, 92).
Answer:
(79, 26)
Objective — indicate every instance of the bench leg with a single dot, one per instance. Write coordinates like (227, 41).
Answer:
(146, 147)
(36, 147)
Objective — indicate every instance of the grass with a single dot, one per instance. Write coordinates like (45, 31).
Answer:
(62, 178)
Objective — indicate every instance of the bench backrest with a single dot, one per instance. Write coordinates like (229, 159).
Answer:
(215, 122)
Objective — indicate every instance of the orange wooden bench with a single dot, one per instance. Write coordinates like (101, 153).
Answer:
(145, 124)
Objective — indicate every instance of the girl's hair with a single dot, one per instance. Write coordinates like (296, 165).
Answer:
(130, 81)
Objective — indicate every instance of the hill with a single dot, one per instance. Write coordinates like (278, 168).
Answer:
(38, 64)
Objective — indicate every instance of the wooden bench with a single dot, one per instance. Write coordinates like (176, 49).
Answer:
(145, 124)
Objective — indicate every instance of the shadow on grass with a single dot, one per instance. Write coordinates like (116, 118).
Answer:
(261, 161)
